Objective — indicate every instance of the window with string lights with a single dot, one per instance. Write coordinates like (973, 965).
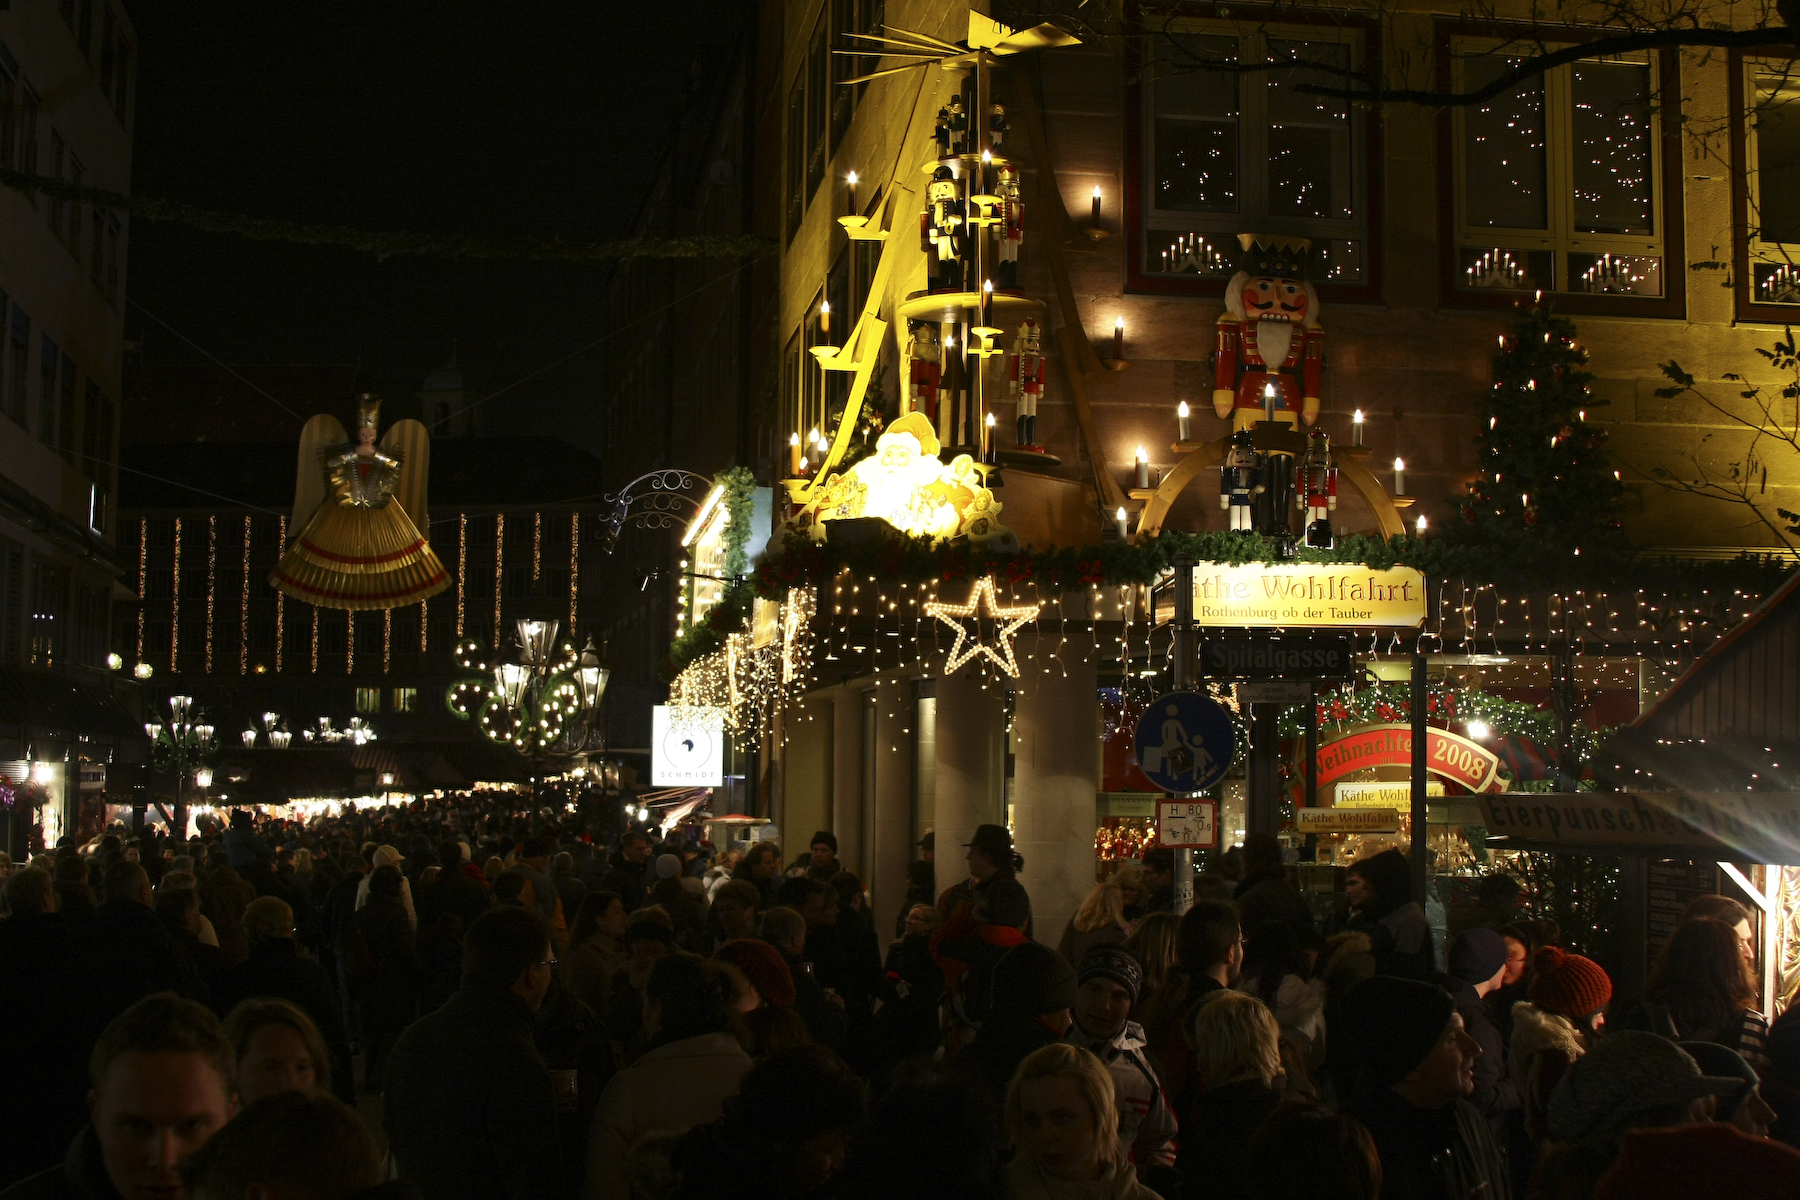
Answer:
(1213, 150)
(1765, 160)
(1557, 184)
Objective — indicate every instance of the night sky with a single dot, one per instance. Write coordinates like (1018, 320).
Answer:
(453, 116)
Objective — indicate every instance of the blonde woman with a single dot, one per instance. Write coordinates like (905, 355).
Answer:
(1152, 943)
(1064, 1126)
(1101, 919)
(1237, 1059)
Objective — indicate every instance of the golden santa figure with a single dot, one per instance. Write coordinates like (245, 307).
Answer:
(1269, 334)
(355, 505)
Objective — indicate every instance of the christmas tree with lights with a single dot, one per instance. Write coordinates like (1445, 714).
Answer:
(1547, 495)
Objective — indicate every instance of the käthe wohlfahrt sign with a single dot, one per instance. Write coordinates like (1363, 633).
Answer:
(1321, 595)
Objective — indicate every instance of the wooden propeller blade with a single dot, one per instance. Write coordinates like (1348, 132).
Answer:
(879, 74)
(929, 41)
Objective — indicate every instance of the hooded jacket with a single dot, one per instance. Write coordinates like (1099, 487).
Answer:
(1147, 1125)
(1544, 1045)
(80, 1176)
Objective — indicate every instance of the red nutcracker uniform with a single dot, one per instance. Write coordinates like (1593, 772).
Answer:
(1269, 303)
(1027, 384)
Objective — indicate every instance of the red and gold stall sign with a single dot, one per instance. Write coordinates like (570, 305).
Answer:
(1310, 595)
(1447, 755)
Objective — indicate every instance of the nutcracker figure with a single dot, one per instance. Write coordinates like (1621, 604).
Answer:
(926, 370)
(1240, 480)
(959, 126)
(1315, 489)
(1027, 384)
(997, 126)
(946, 214)
(943, 132)
(1009, 232)
(1269, 333)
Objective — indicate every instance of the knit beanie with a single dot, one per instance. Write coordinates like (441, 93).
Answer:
(1693, 1160)
(1476, 955)
(1628, 1072)
(668, 866)
(763, 966)
(1110, 962)
(1031, 979)
(1567, 984)
(1393, 1024)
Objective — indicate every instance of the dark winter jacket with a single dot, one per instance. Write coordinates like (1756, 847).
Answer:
(134, 956)
(46, 1030)
(1264, 898)
(625, 879)
(243, 849)
(382, 959)
(910, 991)
(1005, 1041)
(454, 892)
(276, 969)
(80, 1176)
(470, 1108)
(1216, 1135)
(1431, 1154)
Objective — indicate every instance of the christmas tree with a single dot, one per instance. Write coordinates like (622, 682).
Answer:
(1547, 495)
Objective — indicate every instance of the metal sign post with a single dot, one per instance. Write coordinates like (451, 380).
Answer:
(1183, 889)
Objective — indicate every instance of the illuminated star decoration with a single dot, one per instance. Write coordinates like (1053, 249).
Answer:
(968, 641)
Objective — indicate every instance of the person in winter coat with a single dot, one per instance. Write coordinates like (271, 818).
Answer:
(1552, 1030)
(223, 898)
(693, 1064)
(1108, 982)
(129, 952)
(243, 849)
(385, 971)
(470, 1108)
(276, 969)
(1237, 1055)
(973, 939)
(1702, 990)
(760, 868)
(628, 876)
(1477, 961)
(1030, 1007)
(1209, 959)
(685, 908)
(1379, 889)
(596, 949)
(764, 997)
(1264, 893)
(1416, 1069)
(387, 856)
(1275, 973)
(1064, 1127)
(1347, 961)
(1101, 920)
(911, 986)
(459, 889)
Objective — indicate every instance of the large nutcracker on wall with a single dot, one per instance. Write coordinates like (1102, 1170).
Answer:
(1315, 490)
(944, 217)
(1027, 384)
(925, 371)
(1240, 481)
(1269, 334)
(1009, 231)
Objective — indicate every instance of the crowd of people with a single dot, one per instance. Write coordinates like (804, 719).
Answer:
(466, 997)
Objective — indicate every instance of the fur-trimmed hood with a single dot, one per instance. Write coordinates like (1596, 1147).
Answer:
(1535, 1031)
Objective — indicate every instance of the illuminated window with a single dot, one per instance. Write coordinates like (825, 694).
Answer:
(368, 700)
(406, 700)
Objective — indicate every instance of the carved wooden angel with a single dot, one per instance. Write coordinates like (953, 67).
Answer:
(359, 509)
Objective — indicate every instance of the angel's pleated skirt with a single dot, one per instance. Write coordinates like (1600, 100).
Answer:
(353, 557)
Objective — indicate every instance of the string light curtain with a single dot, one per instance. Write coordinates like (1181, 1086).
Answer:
(244, 607)
(175, 607)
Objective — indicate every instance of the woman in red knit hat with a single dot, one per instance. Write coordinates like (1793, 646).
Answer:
(765, 997)
(1565, 1013)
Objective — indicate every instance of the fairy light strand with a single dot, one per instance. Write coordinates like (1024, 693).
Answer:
(175, 607)
(143, 578)
(244, 606)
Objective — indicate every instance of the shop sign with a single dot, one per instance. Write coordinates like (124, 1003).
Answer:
(1382, 795)
(1346, 820)
(1185, 742)
(1321, 595)
(1187, 824)
(687, 746)
(1447, 755)
(1276, 691)
(1285, 657)
(1732, 826)
(93, 777)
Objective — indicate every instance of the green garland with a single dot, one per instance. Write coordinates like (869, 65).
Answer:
(385, 244)
(739, 499)
(806, 563)
(732, 613)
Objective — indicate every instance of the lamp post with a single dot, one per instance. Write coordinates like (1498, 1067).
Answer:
(181, 746)
(543, 700)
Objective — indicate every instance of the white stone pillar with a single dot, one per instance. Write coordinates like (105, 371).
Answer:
(847, 800)
(1056, 779)
(967, 716)
(892, 811)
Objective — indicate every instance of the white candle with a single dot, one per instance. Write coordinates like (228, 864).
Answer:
(1268, 401)
(1399, 477)
(1181, 420)
(793, 454)
(1356, 428)
(1124, 527)
(1119, 338)
(1419, 525)
(825, 318)
(851, 180)
(813, 445)
(1143, 468)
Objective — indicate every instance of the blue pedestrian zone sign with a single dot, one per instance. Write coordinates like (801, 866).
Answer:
(1185, 742)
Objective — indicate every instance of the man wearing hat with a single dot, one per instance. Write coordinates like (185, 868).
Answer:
(1033, 991)
(1108, 983)
(1477, 963)
(1415, 1070)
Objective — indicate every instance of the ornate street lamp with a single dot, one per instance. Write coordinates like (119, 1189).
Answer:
(543, 700)
(181, 746)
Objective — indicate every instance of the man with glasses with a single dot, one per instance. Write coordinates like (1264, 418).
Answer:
(470, 1106)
